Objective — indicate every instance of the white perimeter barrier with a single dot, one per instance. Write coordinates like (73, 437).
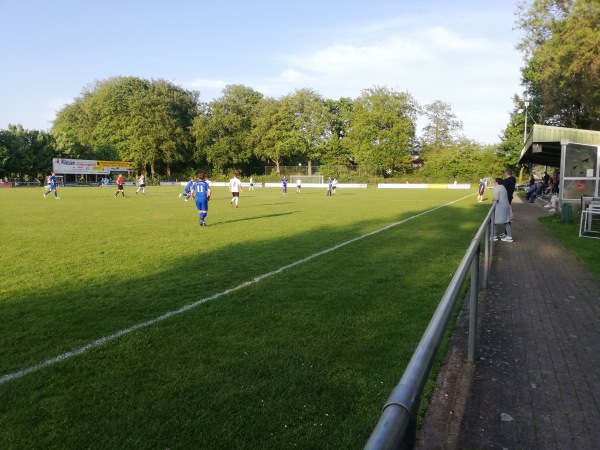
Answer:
(211, 183)
(319, 185)
(422, 186)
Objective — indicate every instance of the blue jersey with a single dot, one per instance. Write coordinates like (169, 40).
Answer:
(284, 181)
(52, 181)
(188, 186)
(200, 188)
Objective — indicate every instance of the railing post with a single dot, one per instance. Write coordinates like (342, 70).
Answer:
(486, 257)
(473, 291)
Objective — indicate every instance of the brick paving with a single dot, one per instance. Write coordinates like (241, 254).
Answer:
(536, 380)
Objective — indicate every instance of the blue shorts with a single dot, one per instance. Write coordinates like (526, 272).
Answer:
(201, 204)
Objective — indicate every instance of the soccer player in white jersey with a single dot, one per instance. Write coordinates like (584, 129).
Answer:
(235, 187)
(142, 183)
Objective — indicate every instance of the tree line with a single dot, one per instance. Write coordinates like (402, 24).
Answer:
(168, 132)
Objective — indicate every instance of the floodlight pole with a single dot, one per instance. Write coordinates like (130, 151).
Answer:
(525, 132)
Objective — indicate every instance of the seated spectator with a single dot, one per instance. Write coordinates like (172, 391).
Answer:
(537, 192)
(530, 190)
(552, 205)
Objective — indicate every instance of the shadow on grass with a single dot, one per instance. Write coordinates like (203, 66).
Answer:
(41, 324)
(266, 216)
(322, 342)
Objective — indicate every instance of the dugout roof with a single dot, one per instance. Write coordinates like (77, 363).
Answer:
(543, 145)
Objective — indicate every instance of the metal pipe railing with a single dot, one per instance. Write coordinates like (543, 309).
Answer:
(397, 425)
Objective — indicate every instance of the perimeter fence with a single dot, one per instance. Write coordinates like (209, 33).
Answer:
(343, 173)
(397, 425)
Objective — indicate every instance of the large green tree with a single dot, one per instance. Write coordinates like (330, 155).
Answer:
(383, 128)
(311, 124)
(442, 126)
(159, 127)
(223, 129)
(272, 132)
(340, 114)
(144, 121)
(25, 154)
(561, 46)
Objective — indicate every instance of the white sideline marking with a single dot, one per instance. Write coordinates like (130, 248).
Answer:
(111, 337)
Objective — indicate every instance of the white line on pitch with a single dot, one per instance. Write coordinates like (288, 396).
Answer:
(111, 337)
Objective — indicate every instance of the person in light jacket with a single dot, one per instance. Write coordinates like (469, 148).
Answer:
(502, 216)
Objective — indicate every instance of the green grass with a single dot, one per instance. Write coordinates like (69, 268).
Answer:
(585, 249)
(304, 358)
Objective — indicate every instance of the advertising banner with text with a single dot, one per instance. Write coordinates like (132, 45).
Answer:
(89, 166)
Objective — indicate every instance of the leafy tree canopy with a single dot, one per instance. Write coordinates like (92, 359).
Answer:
(561, 46)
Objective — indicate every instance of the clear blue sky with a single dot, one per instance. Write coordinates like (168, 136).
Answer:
(461, 52)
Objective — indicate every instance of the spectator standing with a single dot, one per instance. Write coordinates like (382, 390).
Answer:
(502, 215)
(546, 179)
(555, 181)
(510, 184)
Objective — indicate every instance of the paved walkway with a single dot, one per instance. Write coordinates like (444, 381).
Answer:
(536, 380)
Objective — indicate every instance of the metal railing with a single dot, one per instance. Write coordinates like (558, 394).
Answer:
(397, 425)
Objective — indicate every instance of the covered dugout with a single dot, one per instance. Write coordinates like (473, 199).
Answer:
(575, 152)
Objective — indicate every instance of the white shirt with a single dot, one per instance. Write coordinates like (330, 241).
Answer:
(234, 185)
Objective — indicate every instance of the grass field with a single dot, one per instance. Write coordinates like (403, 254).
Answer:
(303, 357)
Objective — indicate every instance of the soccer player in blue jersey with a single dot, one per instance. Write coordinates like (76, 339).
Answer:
(52, 186)
(284, 185)
(187, 191)
(201, 193)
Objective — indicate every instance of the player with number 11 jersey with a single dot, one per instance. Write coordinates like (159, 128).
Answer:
(201, 193)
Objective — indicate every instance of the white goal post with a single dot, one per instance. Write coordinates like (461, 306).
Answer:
(305, 179)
